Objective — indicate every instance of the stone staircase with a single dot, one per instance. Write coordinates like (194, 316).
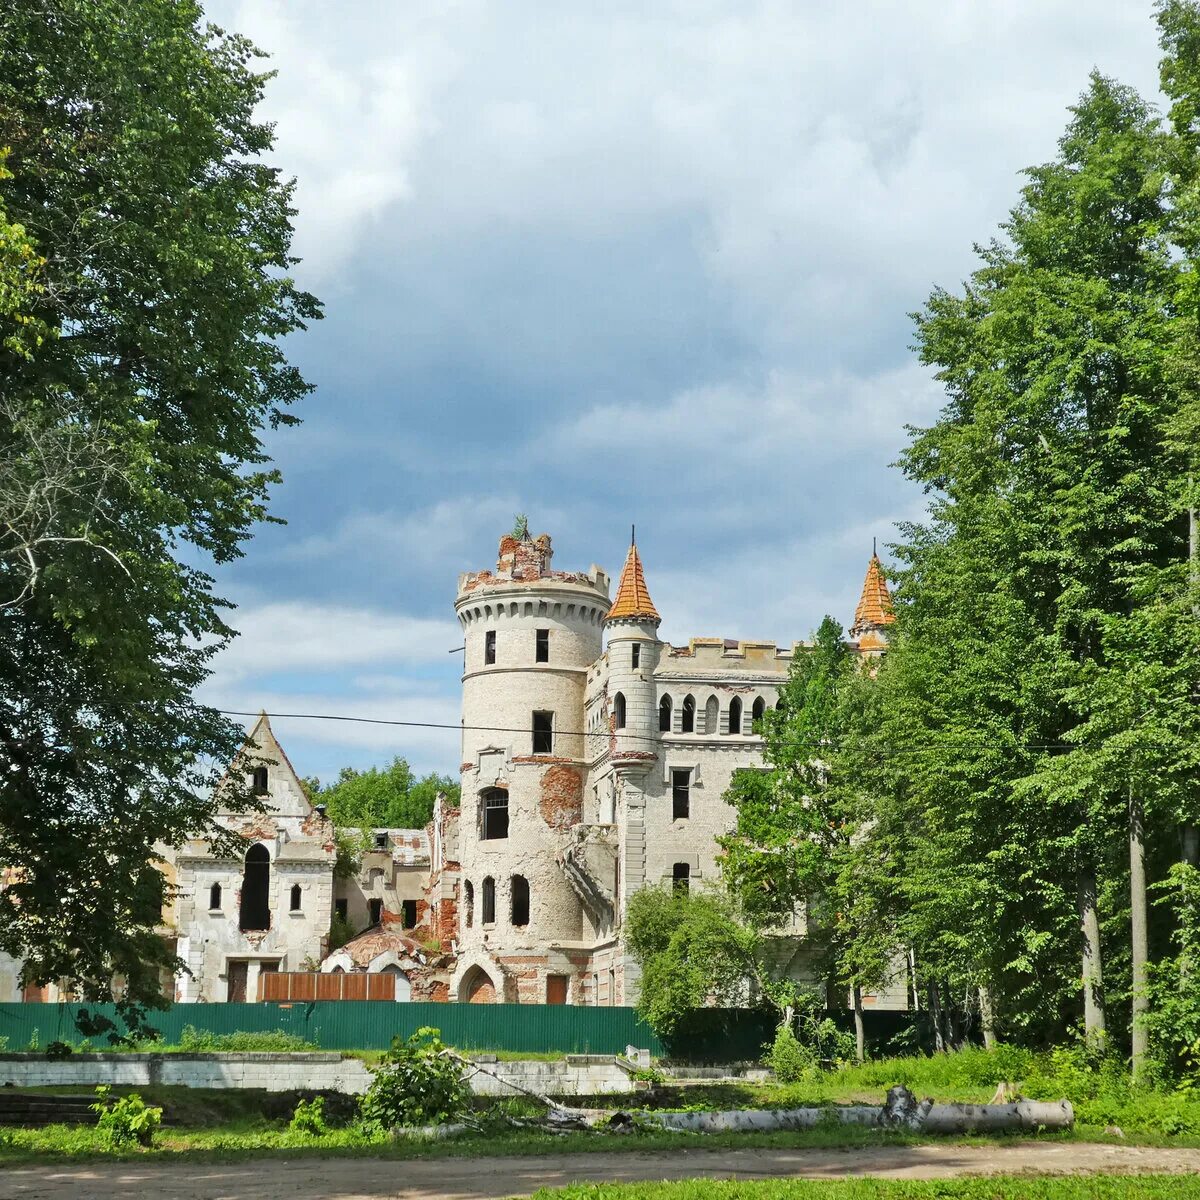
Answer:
(29, 1108)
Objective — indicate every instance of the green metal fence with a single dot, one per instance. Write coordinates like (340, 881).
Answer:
(365, 1025)
(708, 1036)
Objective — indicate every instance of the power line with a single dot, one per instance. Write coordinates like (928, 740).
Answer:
(815, 743)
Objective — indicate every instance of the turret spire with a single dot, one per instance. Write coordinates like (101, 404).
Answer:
(633, 597)
(875, 604)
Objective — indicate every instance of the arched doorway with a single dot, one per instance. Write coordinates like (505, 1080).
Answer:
(403, 987)
(477, 988)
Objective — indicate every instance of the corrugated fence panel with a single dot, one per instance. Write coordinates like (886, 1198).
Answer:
(364, 1024)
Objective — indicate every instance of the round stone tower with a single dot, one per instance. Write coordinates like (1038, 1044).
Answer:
(530, 635)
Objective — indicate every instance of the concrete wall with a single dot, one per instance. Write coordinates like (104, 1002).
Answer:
(593, 1075)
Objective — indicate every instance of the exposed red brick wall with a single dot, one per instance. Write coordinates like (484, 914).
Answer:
(561, 804)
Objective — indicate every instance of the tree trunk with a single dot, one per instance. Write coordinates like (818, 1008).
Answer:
(987, 1017)
(1139, 942)
(912, 979)
(1094, 1024)
(953, 1035)
(935, 1015)
(860, 1033)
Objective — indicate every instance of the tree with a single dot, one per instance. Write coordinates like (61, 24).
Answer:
(390, 797)
(1058, 513)
(803, 834)
(131, 457)
(694, 950)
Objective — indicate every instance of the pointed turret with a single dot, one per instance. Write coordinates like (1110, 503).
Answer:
(874, 612)
(633, 601)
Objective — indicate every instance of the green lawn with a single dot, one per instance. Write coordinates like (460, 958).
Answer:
(1145, 1187)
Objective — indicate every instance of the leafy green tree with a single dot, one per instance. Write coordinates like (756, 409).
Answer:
(131, 456)
(389, 797)
(694, 950)
(803, 836)
(1058, 487)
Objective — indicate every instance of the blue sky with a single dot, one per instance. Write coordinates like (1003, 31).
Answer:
(615, 263)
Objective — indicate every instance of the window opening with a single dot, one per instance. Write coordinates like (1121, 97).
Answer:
(637, 653)
(214, 896)
(688, 723)
(489, 901)
(375, 911)
(494, 814)
(256, 889)
(681, 794)
(342, 909)
(469, 904)
(408, 914)
(296, 897)
(489, 647)
(735, 716)
(759, 709)
(542, 646)
(556, 989)
(712, 715)
(381, 840)
(259, 781)
(519, 889)
(543, 733)
(619, 711)
(681, 874)
(664, 715)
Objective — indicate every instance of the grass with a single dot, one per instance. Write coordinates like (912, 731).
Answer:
(1144, 1187)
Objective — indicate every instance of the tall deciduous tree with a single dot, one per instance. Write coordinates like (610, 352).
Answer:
(131, 455)
(803, 834)
(390, 797)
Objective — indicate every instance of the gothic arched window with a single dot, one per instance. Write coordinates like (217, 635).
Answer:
(256, 889)
(664, 714)
(619, 711)
(735, 716)
(687, 723)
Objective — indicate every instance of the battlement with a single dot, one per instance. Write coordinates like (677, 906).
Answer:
(526, 560)
(728, 653)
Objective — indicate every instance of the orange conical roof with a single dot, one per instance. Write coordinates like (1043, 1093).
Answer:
(875, 603)
(633, 597)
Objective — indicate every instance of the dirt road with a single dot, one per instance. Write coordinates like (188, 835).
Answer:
(488, 1178)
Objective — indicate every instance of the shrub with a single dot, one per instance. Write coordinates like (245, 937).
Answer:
(204, 1041)
(417, 1082)
(125, 1119)
(59, 1050)
(309, 1117)
(790, 1061)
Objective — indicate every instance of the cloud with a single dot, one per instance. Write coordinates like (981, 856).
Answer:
(290, 636)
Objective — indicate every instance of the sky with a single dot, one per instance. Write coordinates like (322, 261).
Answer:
(615, 263)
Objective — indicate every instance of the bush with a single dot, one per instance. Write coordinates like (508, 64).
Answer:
(790, 1061)
(204, 1041)
(125, 1119)
(417, 1082)
(309, 1117)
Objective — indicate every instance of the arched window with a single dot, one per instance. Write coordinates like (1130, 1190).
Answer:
(664, 714)
(688, 722)
(735, 716)
(619, 711)
(779, 704)
(712, 715)
(259, 781)
(214, 896)
(489, 901)
(295, 897)
(403, 986)
(256, 889)
(468, 904)
(681, 875)
(493, 814)
(519, 889)
(760, 707)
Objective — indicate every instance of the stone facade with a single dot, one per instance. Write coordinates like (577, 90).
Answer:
(591, 770)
